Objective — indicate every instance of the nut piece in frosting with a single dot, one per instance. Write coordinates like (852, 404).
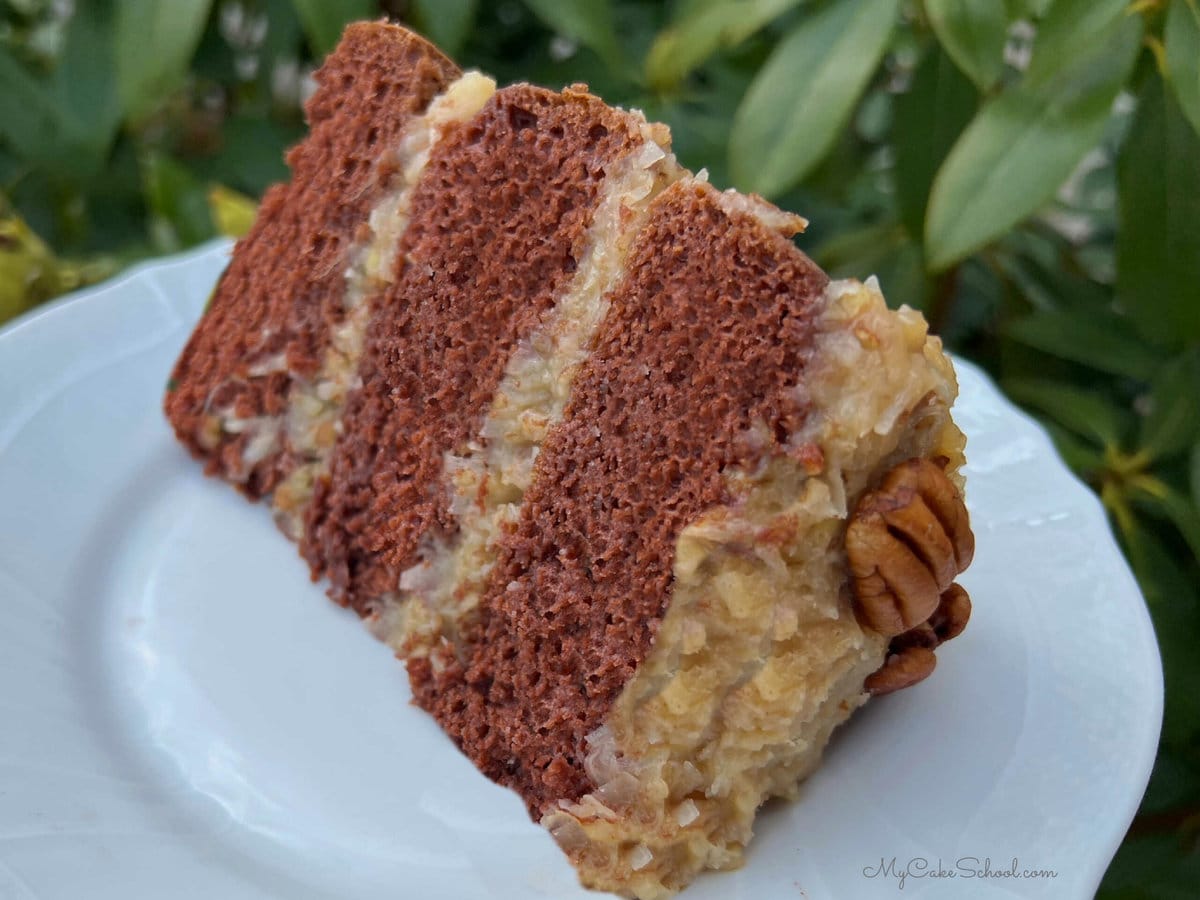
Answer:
(906, 543)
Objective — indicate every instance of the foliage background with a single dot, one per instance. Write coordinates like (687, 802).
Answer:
(1027, 172)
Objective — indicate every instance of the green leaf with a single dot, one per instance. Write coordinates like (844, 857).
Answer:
(588, 21)
(1088, 414)
(1161, 866)
(1183, 513)
(29, 120)
(114, 209)
(1083, 458)
(901, 274)
(1073, 30)
(1173, 422)
(447, 23)
(1182, 39)
(1161, 500)
(1025, 143)
(1052, 275)
(699, 120)
(974, 33)
(325, 20)
(805, 93)
(1194, 473)
(1174, 782)
(155, 40)
(1158, 245)
(178, 203)
(692, 38)
(1093, 340)
(883, 249)
(1026, 9)
(683, 9)
(930, 116)
(1175, 608)
(251, 154)
(855, 250)
(64, 123)
(84, 85)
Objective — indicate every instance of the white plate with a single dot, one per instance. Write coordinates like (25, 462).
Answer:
(183, 714)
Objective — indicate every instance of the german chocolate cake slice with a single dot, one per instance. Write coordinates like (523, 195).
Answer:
(648, 504)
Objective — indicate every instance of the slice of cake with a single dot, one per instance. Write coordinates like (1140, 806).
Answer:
(647, 503)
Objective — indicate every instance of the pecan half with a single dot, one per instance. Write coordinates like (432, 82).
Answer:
(902, 669)
(906, 542)
(950, 618)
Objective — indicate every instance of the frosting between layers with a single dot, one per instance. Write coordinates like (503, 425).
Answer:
(268, 322)
(759, 656)
(313, 418)
(488, 480)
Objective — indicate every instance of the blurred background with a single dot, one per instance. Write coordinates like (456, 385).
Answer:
(1027, 172)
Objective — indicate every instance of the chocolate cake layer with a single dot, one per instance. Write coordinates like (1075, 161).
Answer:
(497, 228)
(486, 484)
(272, 312)
(316, 404)
(694, 371)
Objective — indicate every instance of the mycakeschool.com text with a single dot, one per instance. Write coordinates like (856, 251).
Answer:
(964, 868)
